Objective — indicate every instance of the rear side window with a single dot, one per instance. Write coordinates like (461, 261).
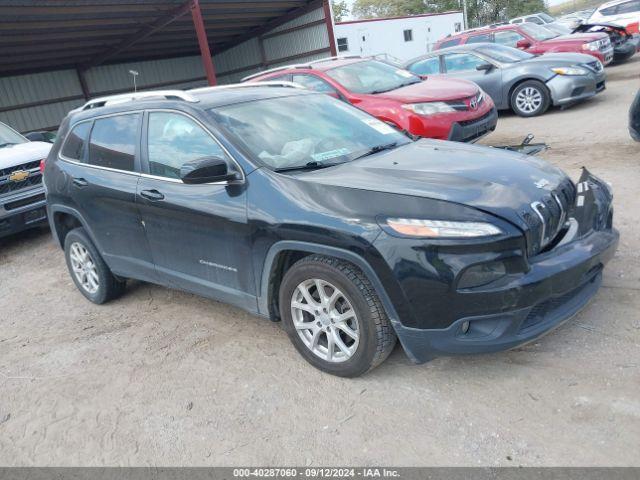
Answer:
(609, 10)
(428, 66)
(449, 43)
(76, 143)
(113, 142)
(173, 140)
(483, 38)
(535, 20)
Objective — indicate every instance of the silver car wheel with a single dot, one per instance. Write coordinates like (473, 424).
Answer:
(529, 99)
(84, 268)
(325, 320)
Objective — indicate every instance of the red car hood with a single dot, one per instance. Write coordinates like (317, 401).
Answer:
(576, 38)
(433, 89)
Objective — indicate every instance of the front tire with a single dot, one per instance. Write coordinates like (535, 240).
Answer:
(334, 317)
(87, 269)
(530, 98)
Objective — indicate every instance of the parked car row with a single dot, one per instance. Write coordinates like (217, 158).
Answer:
(303, 209)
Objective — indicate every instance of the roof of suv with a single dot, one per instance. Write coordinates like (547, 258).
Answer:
(202, 98)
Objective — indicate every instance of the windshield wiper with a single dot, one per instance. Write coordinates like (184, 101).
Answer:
(377, 148)
(406, 84)
(308, 166)
(6, 144)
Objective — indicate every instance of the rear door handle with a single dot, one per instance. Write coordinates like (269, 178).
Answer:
(80, 182)
(153, 195)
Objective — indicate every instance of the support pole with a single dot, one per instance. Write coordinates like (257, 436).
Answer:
(203, 41)
(83, 83)
(328, 18)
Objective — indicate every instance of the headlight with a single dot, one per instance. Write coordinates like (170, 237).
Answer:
(592, 46)
(442, 228)
(569, 71)
(428, 108)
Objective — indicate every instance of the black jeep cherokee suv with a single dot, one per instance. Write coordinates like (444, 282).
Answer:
(301, 208)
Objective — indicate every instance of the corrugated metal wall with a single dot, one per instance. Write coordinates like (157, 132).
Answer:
(40, 101)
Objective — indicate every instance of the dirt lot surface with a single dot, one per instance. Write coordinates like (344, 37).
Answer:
(165, 378)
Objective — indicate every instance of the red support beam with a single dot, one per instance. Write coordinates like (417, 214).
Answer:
(328, 18)
(203, 41)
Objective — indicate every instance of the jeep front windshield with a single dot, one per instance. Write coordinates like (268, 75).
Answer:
(305, 131)
(8, 136)
(372, 76)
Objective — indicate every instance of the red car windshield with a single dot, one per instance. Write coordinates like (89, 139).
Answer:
(372, 76)
(537, 32)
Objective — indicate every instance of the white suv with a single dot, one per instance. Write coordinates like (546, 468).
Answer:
(622, 12)
(537, 18)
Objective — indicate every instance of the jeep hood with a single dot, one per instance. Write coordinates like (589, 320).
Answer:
(14, 155)
(492, 180)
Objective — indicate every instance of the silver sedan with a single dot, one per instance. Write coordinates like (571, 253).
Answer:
(528, 84)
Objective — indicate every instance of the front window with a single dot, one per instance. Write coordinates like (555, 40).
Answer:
(316, 84)
(482, 38)
(408, 35)
(508, 38)
(538, 32)
(8, 136)
(504, 54)
(343, 44)
(546, 17)
(309, 131)
(462, 62)
(173, 140)
(372, 76)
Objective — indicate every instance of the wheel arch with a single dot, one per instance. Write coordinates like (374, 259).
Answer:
(63, 219)
(283, 254)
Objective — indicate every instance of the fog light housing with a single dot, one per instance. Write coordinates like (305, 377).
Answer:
(482, 274)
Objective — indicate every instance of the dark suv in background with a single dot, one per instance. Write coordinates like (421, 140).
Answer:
(303, 209)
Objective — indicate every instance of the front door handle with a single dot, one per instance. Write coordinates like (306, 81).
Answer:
(153, 195)
(80, 182)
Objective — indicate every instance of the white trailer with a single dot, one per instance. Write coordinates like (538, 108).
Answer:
(398, 37)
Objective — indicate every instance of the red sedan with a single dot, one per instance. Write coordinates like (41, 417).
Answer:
(535, 39)
(441, 108)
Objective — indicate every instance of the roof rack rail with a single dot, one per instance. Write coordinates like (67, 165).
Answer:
(335, 57)
(231, 86)
(133, 96)
(275, 69)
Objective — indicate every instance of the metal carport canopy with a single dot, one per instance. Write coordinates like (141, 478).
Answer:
(39, 36)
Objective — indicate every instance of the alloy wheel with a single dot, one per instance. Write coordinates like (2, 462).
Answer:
(84, 268)
(529, 99)
(325, 320)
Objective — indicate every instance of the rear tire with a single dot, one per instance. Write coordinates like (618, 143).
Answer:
(329, 305)
(87, 269)
(530, 98)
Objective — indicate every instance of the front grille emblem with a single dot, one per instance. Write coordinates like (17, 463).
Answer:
(473, 103)
(19, 176)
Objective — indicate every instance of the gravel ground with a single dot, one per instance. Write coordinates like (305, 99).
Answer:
(161, 377)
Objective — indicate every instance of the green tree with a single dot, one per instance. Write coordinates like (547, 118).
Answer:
(340, 10)
(479, 12)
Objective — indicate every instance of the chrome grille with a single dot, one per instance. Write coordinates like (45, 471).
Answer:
(546, 216)
(8, 186)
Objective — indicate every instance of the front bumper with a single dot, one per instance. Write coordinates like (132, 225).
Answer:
(569, 89)
(22, 210)
(556, 287)
(473, 130)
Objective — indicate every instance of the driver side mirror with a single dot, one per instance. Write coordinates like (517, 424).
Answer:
(484, 67)
(206, 170)
(523, 44)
